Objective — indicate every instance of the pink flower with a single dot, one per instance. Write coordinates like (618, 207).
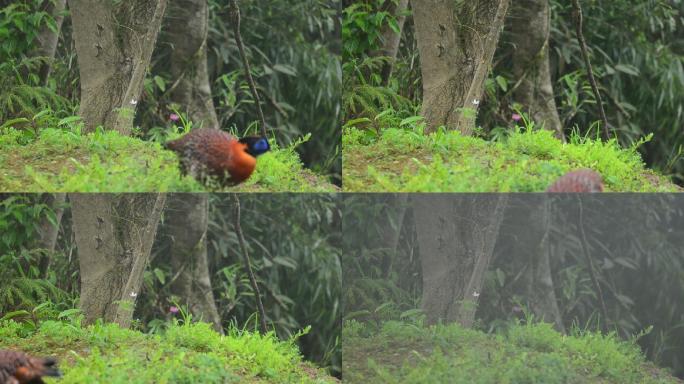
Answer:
(516, 117)
(173, 309)
(174, 117)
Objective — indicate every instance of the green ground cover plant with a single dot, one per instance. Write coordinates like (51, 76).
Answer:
(182, 353)
(64, 160)
(398, 352)
(405, 159)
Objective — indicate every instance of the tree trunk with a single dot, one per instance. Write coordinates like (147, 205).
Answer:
(456, 41)
(114, 235)
(186, 225)
(391, 39)
(456, 236)
(114, 43)
(48, 231)
(524, 251)
(530, 37)
(540, 287)
(46, 42)
(186, 30)
(390, 229)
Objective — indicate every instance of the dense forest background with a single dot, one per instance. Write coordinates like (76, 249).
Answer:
(294, 243)
(598, 263)
(293, 48)
(635, 48)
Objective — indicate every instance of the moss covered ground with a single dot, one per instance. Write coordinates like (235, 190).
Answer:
(192, 353)
(406, 160)
(407, 353)
(58, 160)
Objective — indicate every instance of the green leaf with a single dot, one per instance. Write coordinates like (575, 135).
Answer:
(503, 83)
(68, 313)
(354, 122)
(285, 262)
(628, 69)
(410, 120)
(68, 120)
(286, 69)
(159, 274)
(161, 83)
(12, 122)
(10, 315)
(392, 22)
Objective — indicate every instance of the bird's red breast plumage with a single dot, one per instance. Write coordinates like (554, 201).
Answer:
(581, 180)
(19, 368)
(213, 152)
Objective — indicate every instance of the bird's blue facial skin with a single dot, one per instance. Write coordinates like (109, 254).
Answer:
(256, 145)
(261, 146)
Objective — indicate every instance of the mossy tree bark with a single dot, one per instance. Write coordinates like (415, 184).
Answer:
(114, 235)
(456, 237)
(390, 38)
(456, 41)
(186, 222)
(114, 43)
(530, 26)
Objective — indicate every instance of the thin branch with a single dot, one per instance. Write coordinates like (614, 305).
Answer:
(590, 263)
(274, 104)
(235, 15)
(587, 63)
(248, 267)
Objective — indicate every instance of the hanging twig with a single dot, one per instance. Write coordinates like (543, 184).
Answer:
(235, 15)
(587, 63)
(248, 267)
(590, 263)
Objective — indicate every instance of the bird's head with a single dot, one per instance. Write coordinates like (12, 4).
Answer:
(256, 145)
(50, 367)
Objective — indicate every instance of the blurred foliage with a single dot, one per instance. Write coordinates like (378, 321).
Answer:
(294, 242)
(409, 353)
(24, 102)
(372, 290)
(23, 95)
(638, 257)
(26, 292)
(20, 23)
(637, 56)
(364, 92)
(640, 69)
(293, 48)
(634, 240)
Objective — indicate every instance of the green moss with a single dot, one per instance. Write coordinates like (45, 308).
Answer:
(183, 354)
(404, 160)
(535, 353)
(66, 161)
